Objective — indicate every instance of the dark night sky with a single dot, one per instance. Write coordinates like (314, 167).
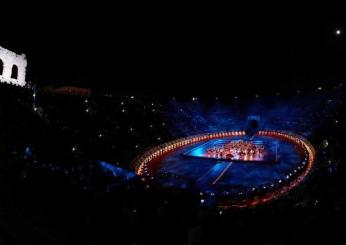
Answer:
(135, 52)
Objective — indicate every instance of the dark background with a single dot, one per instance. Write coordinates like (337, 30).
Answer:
(168, 50)
(161, 52)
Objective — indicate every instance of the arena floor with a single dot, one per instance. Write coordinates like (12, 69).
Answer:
(237, 179)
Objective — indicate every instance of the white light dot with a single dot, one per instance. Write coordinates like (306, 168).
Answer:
(338, 32)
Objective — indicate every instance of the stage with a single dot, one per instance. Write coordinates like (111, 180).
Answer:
(278, 161)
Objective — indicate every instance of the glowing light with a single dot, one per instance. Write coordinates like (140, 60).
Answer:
(338, 32)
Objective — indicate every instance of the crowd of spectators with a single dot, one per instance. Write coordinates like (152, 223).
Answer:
(55, 191)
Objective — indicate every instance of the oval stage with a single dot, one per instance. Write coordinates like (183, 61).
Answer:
(230, 169)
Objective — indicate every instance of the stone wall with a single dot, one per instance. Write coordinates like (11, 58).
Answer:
(12, 67)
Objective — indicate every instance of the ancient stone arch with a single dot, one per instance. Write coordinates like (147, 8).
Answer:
(1, 67)
(12, 67)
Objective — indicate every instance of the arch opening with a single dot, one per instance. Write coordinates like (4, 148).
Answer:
(1, 67)
(14, 73)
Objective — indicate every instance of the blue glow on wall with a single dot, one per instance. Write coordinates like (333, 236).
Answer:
(116, 171)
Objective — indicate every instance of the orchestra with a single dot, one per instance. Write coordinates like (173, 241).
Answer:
(237, 150)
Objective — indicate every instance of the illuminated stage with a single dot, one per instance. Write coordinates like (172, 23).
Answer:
(230, 169)
(233, 150)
